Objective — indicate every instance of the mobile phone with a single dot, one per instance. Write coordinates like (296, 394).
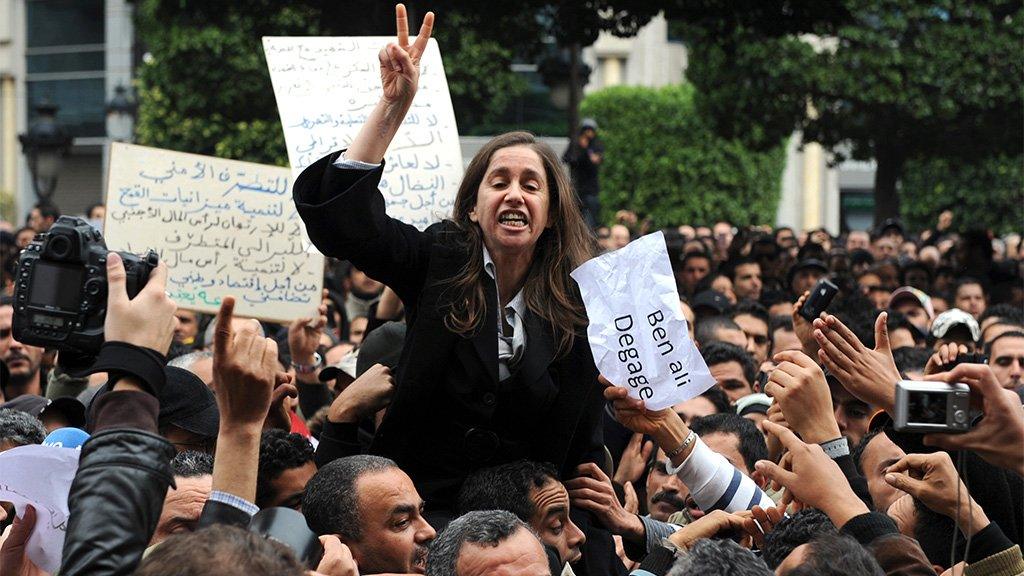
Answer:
(932, 407)
(819, 299)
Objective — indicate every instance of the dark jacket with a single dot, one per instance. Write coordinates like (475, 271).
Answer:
(449, 414)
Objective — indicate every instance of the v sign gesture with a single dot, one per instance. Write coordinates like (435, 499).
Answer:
(400, 62)
(399, 77)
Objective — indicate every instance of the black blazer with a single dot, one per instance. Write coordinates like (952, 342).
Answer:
(448, 406)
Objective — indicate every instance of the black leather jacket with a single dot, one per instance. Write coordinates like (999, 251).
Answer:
(115, 502)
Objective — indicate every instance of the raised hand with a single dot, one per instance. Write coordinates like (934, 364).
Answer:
(245, 368)
(944, 355)
(634, 460)
(707, 526)
(932, 479)
(304, 335)
(592, 490)
(799, 387)
(870, 375)
(148, 319)
(400, 60)
(364, 396)
(811, 477)
(804, 330)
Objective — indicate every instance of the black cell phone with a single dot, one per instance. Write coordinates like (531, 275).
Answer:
(819, 299)
(972, 358)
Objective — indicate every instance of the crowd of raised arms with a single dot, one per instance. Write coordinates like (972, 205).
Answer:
(442, 412)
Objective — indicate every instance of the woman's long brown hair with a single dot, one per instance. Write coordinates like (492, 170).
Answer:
(548, 290)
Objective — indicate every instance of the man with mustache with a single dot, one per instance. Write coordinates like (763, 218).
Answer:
(374, 509)
(22, 360)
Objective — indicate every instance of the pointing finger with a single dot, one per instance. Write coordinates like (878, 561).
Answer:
(223, 335)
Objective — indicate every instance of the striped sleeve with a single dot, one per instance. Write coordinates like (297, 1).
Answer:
(716, 484)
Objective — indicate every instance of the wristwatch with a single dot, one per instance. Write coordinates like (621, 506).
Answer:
(836, 448)
(309, 368)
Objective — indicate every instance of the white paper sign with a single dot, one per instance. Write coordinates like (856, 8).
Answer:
(637, 331)
(223, 227)
(327, 87)
(40, 476)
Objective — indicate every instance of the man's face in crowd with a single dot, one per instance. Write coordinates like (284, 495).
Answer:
(879, 454)
(971, 299)
(786, 239)
(871, 285)
(22, 360)
(723, 234)
(1007, 361)
(857, 240)
(188, 327)
(618, 236)
(98, 213)
(727, 445)
(666, 494)
(182, 507)
(756, 332)
(363, 284)
(748, 281)
(695, 269)
(805, 279)
(394, 533)
(852, 415)
(883, 248)
(289, 487)
(694, 408)
(730, 378)
(521, 554)
(24, 238)
(915, 313)
(357, 329)
(783, 340)
(37, 222)
(551, 521)
(917, 278)
(732, 336)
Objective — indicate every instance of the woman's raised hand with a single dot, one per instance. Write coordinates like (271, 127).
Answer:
(400, 60)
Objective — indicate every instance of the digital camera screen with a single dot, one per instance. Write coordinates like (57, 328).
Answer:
(927, 407)
(56, 285)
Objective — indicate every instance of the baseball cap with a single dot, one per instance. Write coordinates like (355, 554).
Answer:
(69, 408)
(712, 300)
(344, 368)
(807, 264)
(890, 224)
(753, 403)
(589, 123)
(66, 438)
(381, 346)
(952, 318)
(909, 293)
(188, 403)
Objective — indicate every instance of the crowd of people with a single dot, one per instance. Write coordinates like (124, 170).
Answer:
(442, 412)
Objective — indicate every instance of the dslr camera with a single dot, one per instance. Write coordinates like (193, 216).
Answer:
(932, 407)
(60, 294)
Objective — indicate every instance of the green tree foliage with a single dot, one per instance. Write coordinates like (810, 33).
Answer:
(982, 195)
(893, 80)
(663, 160)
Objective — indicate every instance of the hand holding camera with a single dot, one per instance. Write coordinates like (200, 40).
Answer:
(147, 320)
(997, 438)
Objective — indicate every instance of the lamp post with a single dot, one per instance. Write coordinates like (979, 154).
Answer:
(45, 145)
(120, 115)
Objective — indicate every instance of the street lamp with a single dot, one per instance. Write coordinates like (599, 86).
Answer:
(45, 145)
(120, 115)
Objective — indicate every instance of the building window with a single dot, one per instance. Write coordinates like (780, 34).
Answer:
(65, 62)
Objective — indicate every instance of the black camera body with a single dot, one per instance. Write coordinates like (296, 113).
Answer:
(819, 299)
(60, 295)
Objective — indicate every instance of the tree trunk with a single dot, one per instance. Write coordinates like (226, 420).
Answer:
(889, 166)
(574, 89)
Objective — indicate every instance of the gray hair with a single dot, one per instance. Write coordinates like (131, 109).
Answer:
(719, 557)
(192, 464)
(185, 361)
(331, 504)
(20, 428)
(481, 527)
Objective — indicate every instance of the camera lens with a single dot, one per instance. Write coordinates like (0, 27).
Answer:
(60, 246)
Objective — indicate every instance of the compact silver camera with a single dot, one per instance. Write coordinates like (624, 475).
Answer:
(932, 407)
